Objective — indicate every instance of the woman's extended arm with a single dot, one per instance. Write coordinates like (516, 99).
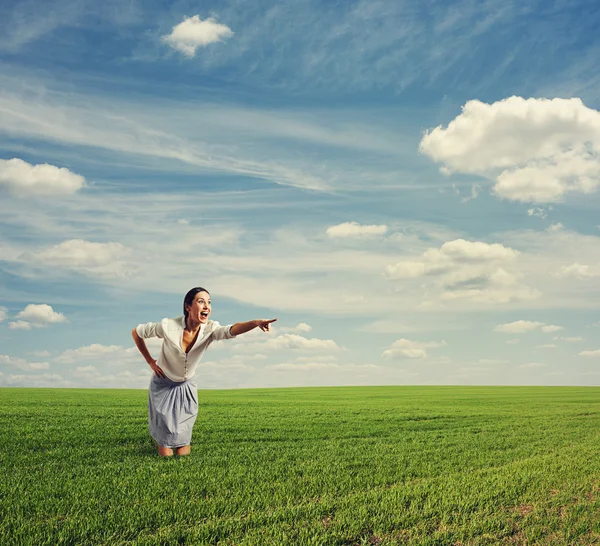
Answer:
(243, 327)
(141, 345)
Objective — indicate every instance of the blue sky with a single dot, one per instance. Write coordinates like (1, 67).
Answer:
(411, 188)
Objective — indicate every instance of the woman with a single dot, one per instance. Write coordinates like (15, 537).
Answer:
(172, 396)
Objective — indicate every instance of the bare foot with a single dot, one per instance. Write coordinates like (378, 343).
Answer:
(184, 450)
(165, 451)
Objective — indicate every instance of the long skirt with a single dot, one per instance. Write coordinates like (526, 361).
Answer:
(172, 411)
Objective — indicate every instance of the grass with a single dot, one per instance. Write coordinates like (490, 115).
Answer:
(314, 466)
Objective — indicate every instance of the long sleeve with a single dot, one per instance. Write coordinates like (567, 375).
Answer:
(221, 332)
(150, 329)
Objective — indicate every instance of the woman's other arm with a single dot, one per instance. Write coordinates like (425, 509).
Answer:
(141, 345)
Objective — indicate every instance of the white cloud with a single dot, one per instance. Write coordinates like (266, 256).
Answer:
(194, 32)
(86, 369)
(590, 354)
(42, 354)
(41, 315)
(475, 191)
(492, 361)
(19, 325)
(539, 212)
(405, 348)
(320, 366)
(573, 339)
(102, 259)
(89, 352)
(35, 380)
(523, 326)
(512, 341)
(302, 327)
(22, 364)
(532, 365)
(549, 328)
(546, 346)
(3, 314)
(451, 255)
(579, 271)
(354, 229)
(471, 270)
(23, 179)
(286, 342)
(537, 150)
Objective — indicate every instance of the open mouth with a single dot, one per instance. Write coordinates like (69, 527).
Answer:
(204, 314)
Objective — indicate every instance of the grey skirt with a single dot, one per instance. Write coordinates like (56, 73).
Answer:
(172, 411)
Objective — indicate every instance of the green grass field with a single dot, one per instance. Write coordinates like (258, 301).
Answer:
(330, 466)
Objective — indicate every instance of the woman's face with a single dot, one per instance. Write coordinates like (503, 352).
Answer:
(199, 311)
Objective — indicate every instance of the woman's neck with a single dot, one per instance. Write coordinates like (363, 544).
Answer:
(191, 325)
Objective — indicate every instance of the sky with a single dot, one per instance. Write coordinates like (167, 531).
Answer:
(411, 188)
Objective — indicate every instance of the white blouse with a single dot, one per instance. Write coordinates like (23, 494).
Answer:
(173, 360)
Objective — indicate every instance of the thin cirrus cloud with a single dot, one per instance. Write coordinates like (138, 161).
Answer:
(524, 326)
(143, 130)
(23, 179)
(536, 150)
(193, 32)
(354, 229)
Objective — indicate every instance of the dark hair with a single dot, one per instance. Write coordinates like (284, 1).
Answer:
(189, 298)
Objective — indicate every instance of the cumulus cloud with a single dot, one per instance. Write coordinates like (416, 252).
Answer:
(532, 365)
(539, 212)
(35, 380)
(492, 361)
(19, 325)
(289, 342)
(451, 255)
(89, 352)
(23, 179)
(320, 366)
(579, 271)
(3, 314)
(86, 369)
(103, 259)
(536, 150)
(194, 32)
(467, 270)
(40, 316)
(302, 327)
(523, 326)
(354, 229)
(590, 354)
(405, 348)
(22, 364)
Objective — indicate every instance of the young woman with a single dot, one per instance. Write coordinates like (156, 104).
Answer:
(172, 395)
